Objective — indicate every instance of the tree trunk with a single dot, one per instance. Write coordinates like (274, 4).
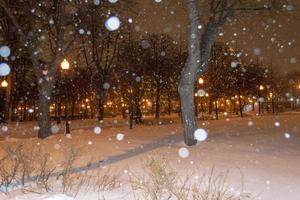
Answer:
(73, 109)
(2, 106)
(196, 107)
(138, 112)
(102, 96)
(131, 112)
(240, 104)
(58, 110)
(210, 106)
(199, 49)
(188, 75)
(216, 110)
(44, 119)
(101, 108)
(186, 92)
(157, 103)
(273, 106)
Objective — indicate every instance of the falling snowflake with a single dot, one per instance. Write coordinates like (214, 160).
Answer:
(57, 146)
(287, 135)
(97, 2)
(106, 86)
(97, 130)
(112, 23)
(120, 136)
(200, 134)
(4, 128)
(4, 69)
(54, 129)
(4, 51)
(183, 152)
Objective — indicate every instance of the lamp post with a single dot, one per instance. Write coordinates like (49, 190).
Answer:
(201, 95)
(65, 66)
(4, 85)
(260, 103)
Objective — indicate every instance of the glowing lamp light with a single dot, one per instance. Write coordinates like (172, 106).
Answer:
(4, 84)
(271, 94)
(261, 87)
(65, 65)
(201, 81)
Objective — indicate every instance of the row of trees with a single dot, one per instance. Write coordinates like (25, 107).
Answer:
(42, 34)
(46, 32)
(141, 68)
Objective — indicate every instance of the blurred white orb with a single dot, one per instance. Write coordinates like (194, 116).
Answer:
(57, 146)
(145, 44)
(120, 136)
(113, 1)
(106, 86)
(4, 69)
(97, 130)
(287, 135)
(54, 129)
(261, 99)
(201, 93)
(4, 128)
(277, 124)
(112, 23)
(183, 152)
(257, 51)
(234, 64)
(81, 31)
(97, 2)
(200, 134)
(4, 51)
(138, 79)
(293, 60)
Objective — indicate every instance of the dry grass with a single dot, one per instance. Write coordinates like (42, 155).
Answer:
(33, 170)
(162, 182)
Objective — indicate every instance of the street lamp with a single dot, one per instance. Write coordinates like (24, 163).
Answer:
(4, 84)
(201, 81)
(260, 99)
(261, 87)
(65, 66)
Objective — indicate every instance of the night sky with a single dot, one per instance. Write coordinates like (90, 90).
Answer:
(275, 35)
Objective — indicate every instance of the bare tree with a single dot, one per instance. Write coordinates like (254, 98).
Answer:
(47, 30)
(160, 63)
(200, 38)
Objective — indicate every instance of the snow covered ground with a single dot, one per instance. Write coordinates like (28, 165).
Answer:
(262, 153)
